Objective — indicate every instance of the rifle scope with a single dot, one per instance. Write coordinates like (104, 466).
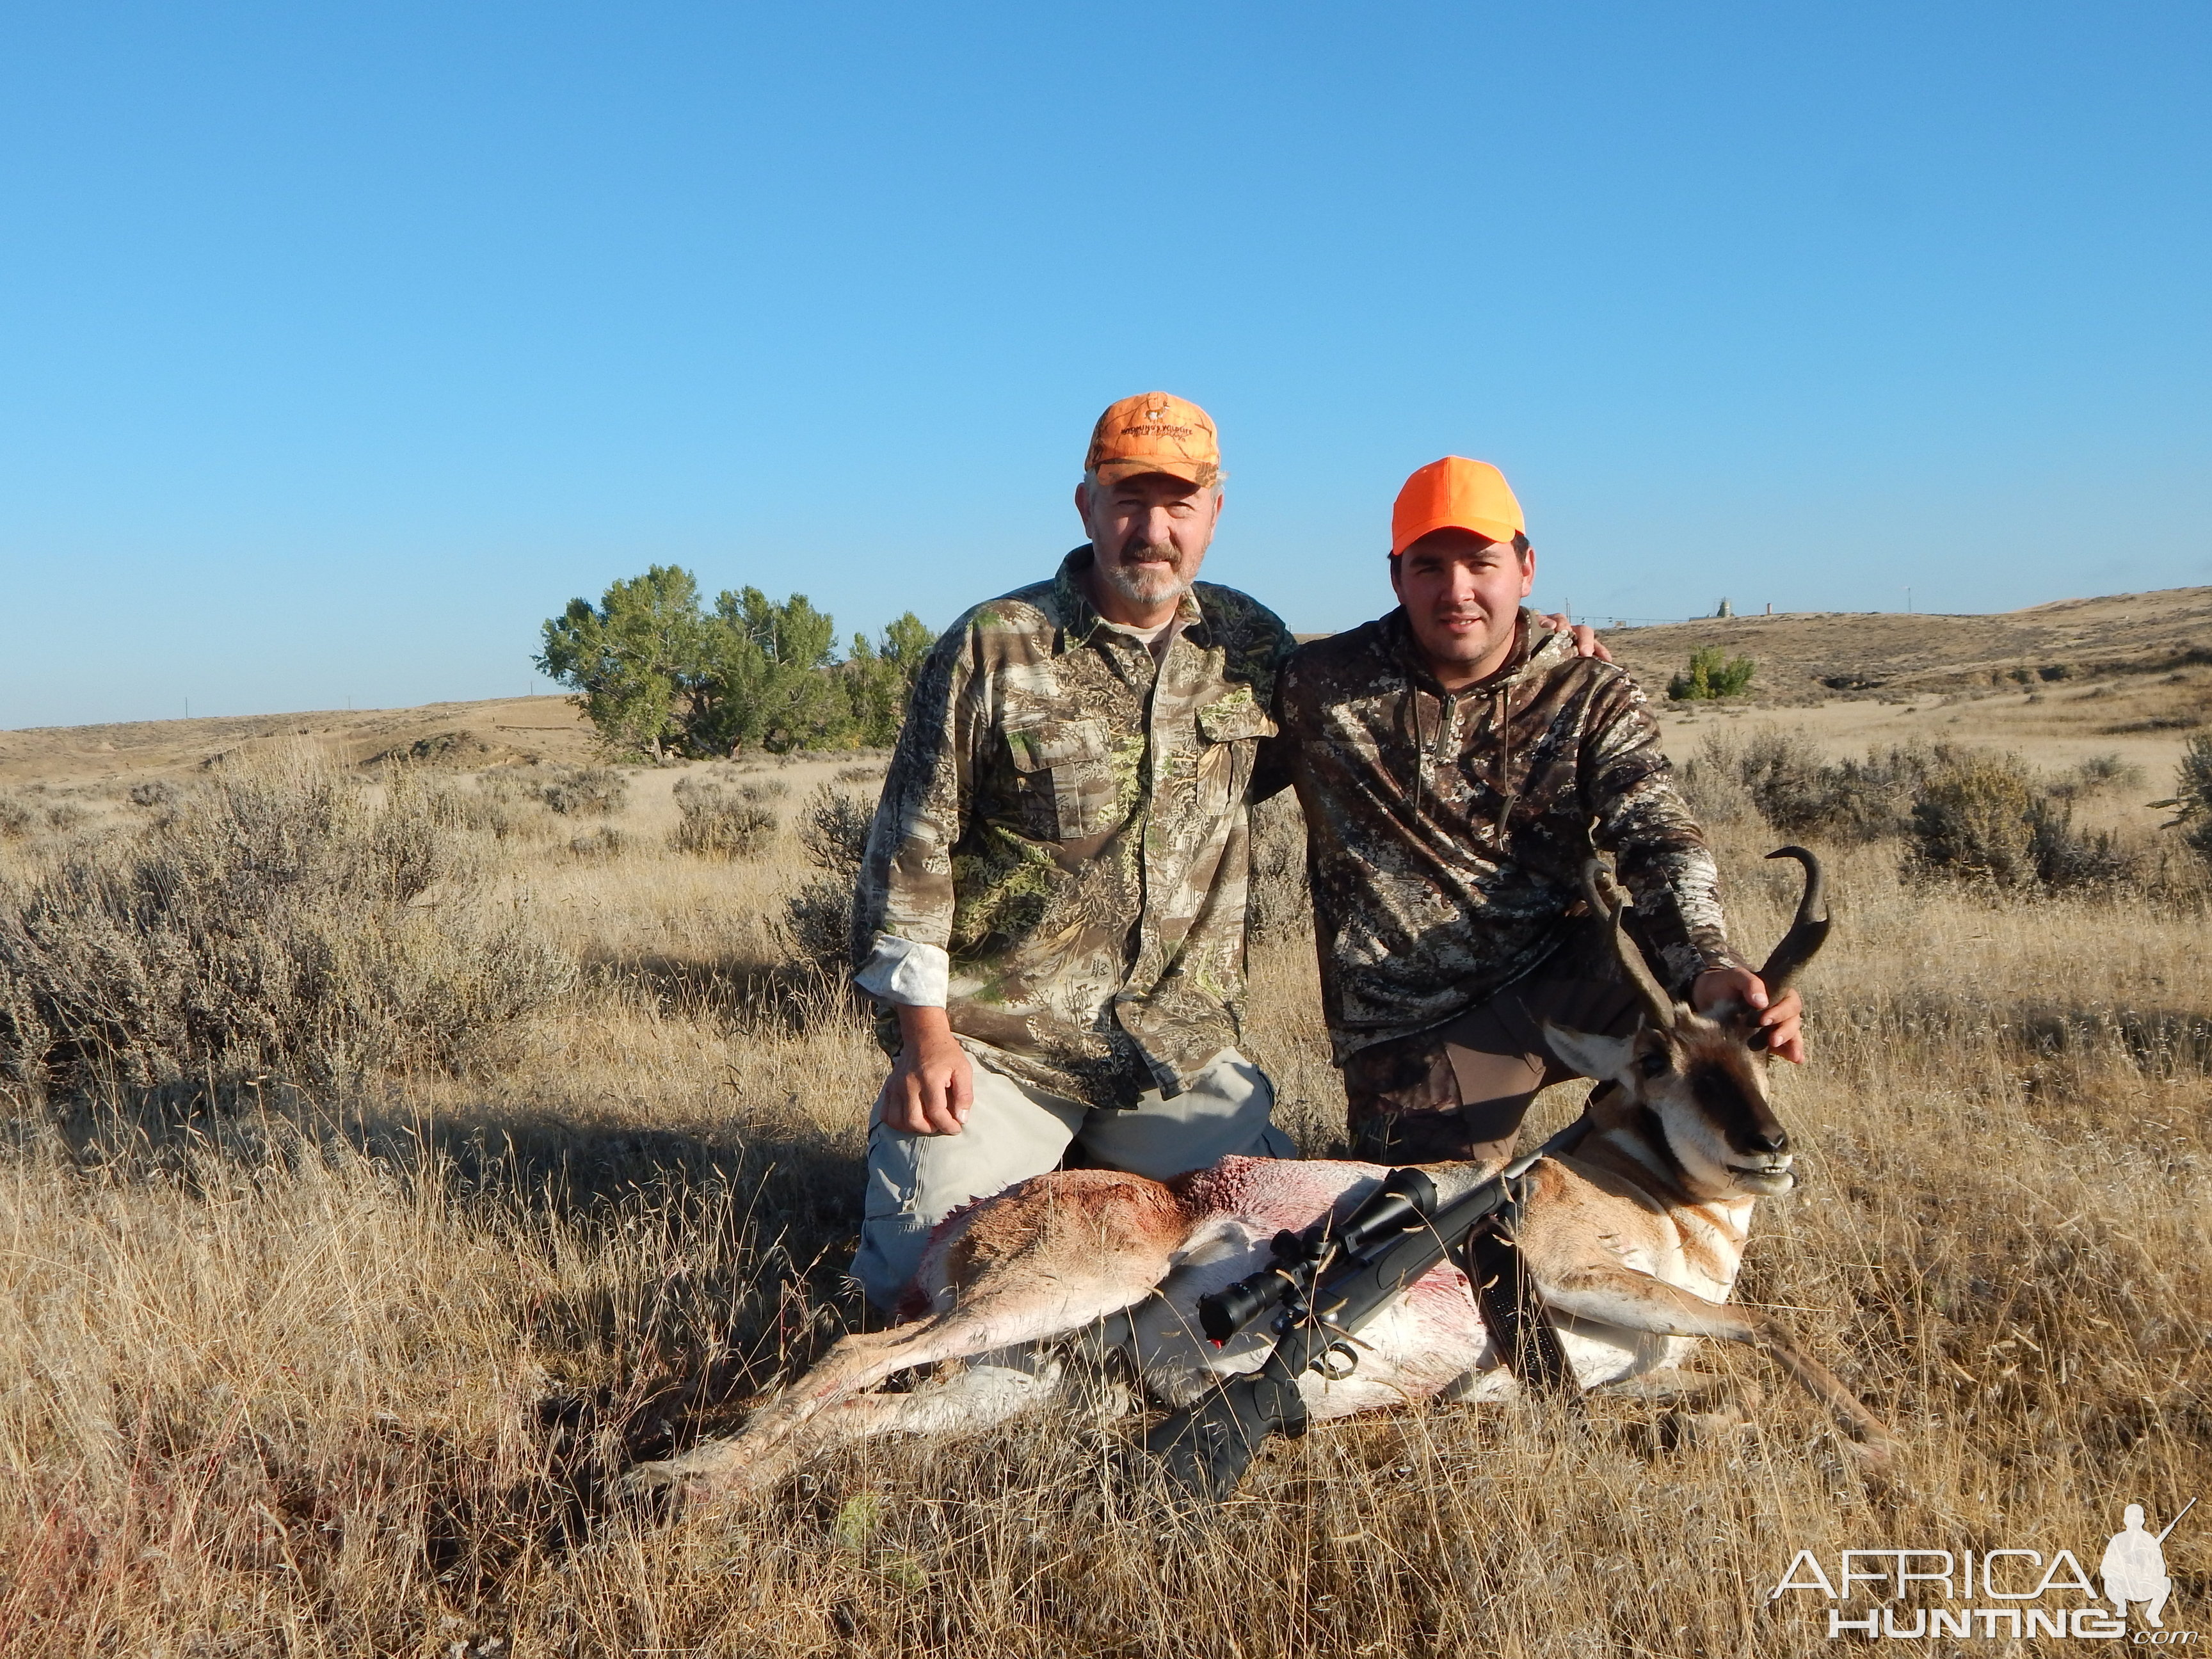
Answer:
(1402, 1204)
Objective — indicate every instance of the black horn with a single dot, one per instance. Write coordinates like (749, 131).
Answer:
(1656, 1002)
(1807, 933)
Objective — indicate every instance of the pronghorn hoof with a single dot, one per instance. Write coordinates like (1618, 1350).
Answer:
(670, 1485)
(1876, 1460)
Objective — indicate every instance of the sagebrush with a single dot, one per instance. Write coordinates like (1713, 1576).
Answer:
(282, 917)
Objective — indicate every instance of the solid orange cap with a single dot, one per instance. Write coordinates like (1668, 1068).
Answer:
(1455, 494)
(1155, 433)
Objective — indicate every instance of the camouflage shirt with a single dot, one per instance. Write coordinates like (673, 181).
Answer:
(1066, 818)
(1447, 831)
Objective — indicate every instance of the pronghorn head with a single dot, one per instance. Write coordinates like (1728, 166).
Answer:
(1696, 1084)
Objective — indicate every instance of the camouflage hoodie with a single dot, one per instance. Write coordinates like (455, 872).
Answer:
(1447, 831)
(1065, 819)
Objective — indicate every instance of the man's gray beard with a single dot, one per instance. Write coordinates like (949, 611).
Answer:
(1140, 589)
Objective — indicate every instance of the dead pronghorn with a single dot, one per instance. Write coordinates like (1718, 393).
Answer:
(1632, 1240)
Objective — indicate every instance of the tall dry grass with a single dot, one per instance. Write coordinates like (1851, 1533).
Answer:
(341, 1368)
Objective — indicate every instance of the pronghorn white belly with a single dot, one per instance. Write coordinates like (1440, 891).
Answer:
(1414, 1349)
(1429, 1343)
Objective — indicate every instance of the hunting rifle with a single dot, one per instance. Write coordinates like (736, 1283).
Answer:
(1327, 1282)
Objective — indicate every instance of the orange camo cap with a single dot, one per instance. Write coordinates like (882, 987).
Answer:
(1154, 432)
(1455, 493)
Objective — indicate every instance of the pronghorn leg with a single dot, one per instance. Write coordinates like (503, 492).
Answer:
(1695, 1391)
(1610, 1294)
(1698, 1407)
(978, 1394)
(1043, 1258)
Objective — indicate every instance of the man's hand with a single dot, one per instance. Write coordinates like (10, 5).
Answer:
(933, 1082)
(1587, 643)
(1782, 1019)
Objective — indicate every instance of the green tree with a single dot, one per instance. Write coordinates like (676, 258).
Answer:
(1713, 673)
(634, 659)
(766, 668)
(879, 678)
(655, 673)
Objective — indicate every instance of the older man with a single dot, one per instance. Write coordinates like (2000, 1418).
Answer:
(1458, 763)
(1051, 910)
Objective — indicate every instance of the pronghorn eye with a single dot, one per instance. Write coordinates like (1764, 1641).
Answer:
(1654, 1064)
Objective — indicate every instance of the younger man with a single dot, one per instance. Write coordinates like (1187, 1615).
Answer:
(1457, 765)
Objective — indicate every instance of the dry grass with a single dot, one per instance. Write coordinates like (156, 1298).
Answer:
(342, 1371)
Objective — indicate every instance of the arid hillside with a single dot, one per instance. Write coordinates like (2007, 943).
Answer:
(1806, 656)
(450, 734)
(2046, 658)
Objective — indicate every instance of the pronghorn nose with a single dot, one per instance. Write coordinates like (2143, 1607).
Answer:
(1772, 1140)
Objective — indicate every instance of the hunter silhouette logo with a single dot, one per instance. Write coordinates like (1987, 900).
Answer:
(2024, 1593)
(2134, 1567)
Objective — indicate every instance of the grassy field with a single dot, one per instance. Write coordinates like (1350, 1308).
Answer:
(343, 1366)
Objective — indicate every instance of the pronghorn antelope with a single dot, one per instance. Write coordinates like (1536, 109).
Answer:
(1633, 1241)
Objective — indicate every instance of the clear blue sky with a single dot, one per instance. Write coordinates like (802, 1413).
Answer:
(340, 344)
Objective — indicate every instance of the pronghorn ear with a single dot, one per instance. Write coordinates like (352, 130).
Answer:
(1604, 1058)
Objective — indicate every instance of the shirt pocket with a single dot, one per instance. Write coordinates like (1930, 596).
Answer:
(1228, 730)
(1065, 766)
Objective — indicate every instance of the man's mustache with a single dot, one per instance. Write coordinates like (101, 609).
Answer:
(1136, 548)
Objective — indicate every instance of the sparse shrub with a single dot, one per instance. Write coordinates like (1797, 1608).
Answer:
(2192, 796)
(2095, 776)
(154, 792)
(833, 828)
(1712, 673)
(1801, 794)
(2109, 772)
(605, 842)
(22, 815)
(2066, 857)
(278, 920)
(862, 774)
(586, 791)
(716, 821)
(819, 917)
(505, 802)
(1972, 824)
(1711, 781)
(1990, 818)
(1966, 814)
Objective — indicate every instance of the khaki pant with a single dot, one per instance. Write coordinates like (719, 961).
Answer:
(1461, 1089)
(1015, 1130)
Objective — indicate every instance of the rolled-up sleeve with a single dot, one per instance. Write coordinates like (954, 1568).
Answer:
(902, 909)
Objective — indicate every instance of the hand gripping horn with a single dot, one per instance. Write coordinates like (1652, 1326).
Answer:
(1656, 1002)
(1807, 933)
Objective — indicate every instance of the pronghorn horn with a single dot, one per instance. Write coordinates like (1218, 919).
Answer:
(1807, 933)
(1656, 1002)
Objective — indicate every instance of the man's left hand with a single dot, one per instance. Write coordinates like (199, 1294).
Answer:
(1783, 1017)
(1587, 643)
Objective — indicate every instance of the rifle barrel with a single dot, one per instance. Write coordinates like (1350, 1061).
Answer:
(2176, 1522)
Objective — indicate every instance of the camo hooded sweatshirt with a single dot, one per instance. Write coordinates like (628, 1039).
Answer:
(1061, 854)
(1447, 831)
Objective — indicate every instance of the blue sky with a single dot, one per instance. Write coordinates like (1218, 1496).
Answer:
(339, 345)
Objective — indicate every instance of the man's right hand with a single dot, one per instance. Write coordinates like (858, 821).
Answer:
(933, 1082)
